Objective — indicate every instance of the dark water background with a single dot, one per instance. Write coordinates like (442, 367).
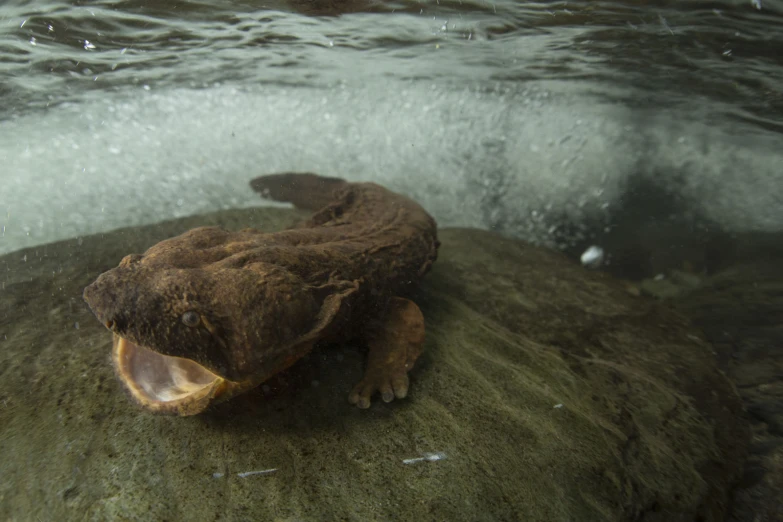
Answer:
(548, 121)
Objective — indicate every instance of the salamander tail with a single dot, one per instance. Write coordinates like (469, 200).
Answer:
(304, 190)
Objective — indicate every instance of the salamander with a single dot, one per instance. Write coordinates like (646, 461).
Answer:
(209, 314)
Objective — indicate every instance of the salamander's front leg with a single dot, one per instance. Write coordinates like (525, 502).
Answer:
(396, 341)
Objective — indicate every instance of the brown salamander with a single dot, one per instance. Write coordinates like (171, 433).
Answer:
(208, 314)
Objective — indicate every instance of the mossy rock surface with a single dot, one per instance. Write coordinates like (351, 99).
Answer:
(546, 392)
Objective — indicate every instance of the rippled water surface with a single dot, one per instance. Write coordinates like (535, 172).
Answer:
(524, 112)
(730, 52)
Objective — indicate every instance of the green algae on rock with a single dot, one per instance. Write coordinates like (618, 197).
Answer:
(545, 392)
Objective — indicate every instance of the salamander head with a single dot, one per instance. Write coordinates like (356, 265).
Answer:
(185, 337)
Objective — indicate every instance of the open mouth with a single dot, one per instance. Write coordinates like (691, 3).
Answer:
(165, 384)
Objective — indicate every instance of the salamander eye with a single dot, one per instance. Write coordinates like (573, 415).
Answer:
(191, 318)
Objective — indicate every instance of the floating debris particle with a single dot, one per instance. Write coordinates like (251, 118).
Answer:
(246, 474)
(665, 23)
(427, 457)
(592, 257)
(558, 406)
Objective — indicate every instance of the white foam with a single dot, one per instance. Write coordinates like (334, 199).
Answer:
(509, 156)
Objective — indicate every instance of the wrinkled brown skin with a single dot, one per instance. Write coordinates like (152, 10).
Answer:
(264, 299)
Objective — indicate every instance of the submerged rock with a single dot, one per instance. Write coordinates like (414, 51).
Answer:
(546, 392)
(740, 309)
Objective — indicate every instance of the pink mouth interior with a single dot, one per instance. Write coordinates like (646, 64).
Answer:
(156, 378)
